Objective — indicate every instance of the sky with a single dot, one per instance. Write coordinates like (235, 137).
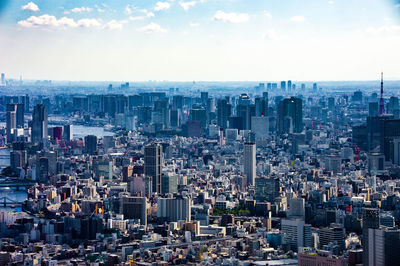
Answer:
(200, 40)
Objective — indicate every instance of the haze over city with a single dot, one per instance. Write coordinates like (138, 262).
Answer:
(199, 132)
(203, 40)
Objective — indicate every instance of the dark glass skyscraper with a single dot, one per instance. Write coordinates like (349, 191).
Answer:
(290, 116)
(153, 165)
(39, 123)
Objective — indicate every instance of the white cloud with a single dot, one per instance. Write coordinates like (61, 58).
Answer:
(113, 25)
(298, 19)
(194, 24)
(133, 18)
(162, 6)
(187, 5)
(31, 6)
(51, 22)
(267, 14)
(47, 21)
(128, 10)
(153, 27)
(231, 17)
(148, 14)
(88, 22)
(331, 2)
(81, 9)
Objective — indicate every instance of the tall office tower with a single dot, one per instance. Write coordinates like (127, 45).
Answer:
(135, 101)
(39, 123)
(373, 108)
(20, 115)
(266, 189)
(290, 116)
(177, 102)
(52, 159)
(269, 86)
(174, 209)
(134, 208)
(335, 233)
(198, 113)
(393, 106)
(169, 183)
(283, 85)
(370, 220)
(303, 87)
(250, 162)
(204, 98)
(297, 233)
(261, 106)
(296, 208)
(244, 99)
(18, 159)
(91, 144)
(42, 170)
(161, 107)
(153, 165)
(381, 101)
(289, 85)
(3, 79)
(224, 111)
(121, 104)
(25, 100)
(383, 247)
(11, 121)
(110, 105)
(245, 112)
(68, 132)
(174, 118)
(331, 104)
(315, 87)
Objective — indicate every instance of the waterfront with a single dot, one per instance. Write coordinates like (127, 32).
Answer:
(18, 196)
(82, 131)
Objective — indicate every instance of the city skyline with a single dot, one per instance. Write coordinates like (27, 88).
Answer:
(199, 40)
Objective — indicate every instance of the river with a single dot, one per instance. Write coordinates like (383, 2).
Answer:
(79, 132)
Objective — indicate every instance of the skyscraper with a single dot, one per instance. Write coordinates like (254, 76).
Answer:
(283, 85)
(290, 116)
(250, 162)
(174, 209)
(20, 115)
(198, 113)
(153, 165)
(11, 121)
(383, 245)
(223, 113)
(3, 79)
(39, 123)
(261, 106)
(370, 220)
(91, 144)
(68, 132)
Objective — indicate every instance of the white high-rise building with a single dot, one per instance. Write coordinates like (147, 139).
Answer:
(250, 162)
(174, 209)
(296, 233)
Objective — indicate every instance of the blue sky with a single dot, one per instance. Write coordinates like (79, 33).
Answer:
(200, 39)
